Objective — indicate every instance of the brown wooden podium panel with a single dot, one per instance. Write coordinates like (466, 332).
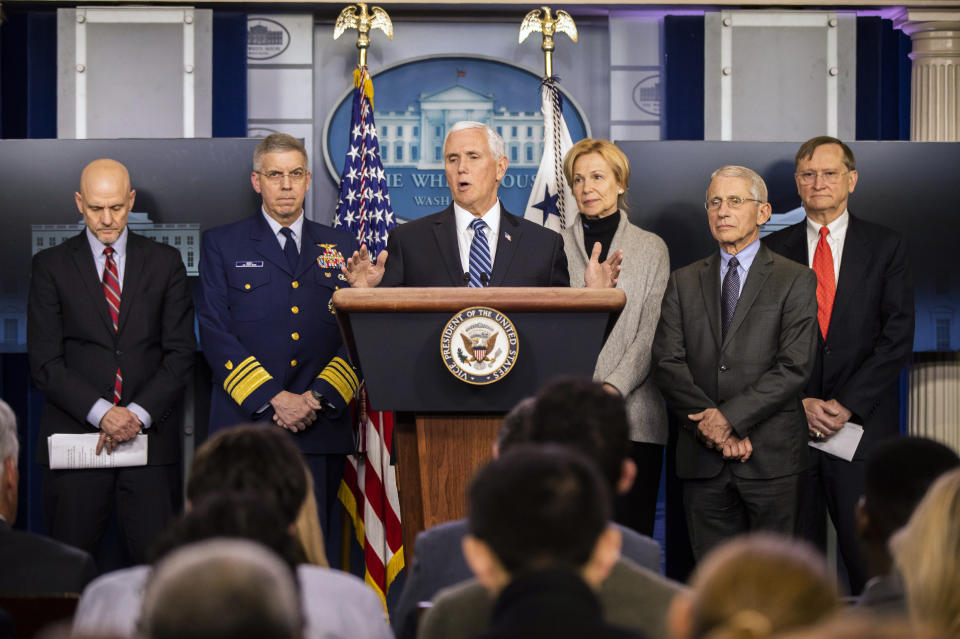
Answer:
(436, 457)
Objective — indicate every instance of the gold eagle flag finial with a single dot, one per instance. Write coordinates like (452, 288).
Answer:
(542, 20)
(357, 17)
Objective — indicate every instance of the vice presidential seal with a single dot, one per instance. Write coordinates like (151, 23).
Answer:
(479, 345)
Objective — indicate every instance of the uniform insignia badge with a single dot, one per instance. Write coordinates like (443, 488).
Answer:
(331, 257)
(249, 264)
(479, 345)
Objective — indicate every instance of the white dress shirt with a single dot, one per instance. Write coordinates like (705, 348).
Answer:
(835, 238)
(465, 232)
(101, 406)
(296, 227)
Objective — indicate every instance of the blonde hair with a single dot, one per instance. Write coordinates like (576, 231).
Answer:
(307, 528)
(927, 553)
(610, 152)
(759, 584)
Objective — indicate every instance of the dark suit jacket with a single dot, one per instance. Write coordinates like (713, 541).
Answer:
(754, 377)
(871, 327)
(438, 562)
(35, 565)
(74, 351)
(252, 305)
(425, 253)
(631, 597)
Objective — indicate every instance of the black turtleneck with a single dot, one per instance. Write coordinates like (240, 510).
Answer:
(599, 230)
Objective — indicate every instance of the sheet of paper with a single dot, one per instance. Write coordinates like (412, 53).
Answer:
(79, 451)
(844, 443)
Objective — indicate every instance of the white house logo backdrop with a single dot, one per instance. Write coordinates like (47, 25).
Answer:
(415, 104)
(266, 38)
(479, 345)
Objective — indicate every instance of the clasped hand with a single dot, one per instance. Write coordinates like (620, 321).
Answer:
(118, 424)
(717, 433)
(295, 412)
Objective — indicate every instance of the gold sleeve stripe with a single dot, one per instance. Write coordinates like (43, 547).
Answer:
(340, 375)
(237, 372)
(251, 382)
(241, 373)
(347, 371)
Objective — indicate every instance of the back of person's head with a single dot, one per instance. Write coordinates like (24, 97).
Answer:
(9, 451)
(254, 517)
(579, 413)
(898, 474)
(221, 589)
(752, 587)
(251, 459)
(515, 424)
(538, 507)
(858, 624)
(9, 445)
(927, 553)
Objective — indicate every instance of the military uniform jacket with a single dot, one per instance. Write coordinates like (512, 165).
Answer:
(265, 329)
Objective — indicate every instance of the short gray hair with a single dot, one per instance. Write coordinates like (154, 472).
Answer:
(494, 141)
(9, 446)
(758, 188)
(221, 589)
(277, 143)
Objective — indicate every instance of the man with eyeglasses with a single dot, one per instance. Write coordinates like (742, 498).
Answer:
(865, 316)
(733, 349)
(267, 327)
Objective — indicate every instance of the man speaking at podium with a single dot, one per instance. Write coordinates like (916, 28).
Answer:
(474, 241)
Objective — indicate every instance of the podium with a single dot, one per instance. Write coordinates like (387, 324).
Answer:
(444, 427)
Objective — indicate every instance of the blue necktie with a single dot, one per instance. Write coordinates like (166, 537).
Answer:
(290, 249)
(729, 294)
(480, 264)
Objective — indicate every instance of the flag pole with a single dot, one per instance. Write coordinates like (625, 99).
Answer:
(357, 17)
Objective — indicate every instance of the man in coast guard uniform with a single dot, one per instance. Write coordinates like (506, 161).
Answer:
(267, 327)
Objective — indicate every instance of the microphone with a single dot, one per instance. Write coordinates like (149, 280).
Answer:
(466, 279)
(484, 280)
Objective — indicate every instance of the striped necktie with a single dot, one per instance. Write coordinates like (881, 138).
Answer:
(111, 290)
(480, 264)
(729, 295)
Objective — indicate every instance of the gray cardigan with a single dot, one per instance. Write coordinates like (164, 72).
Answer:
(624, 361)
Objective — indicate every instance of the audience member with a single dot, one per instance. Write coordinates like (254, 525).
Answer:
(573, 412)
(31, 564)
(754, 586)
(927, 553)
(898, 473)
(862, 625)
(221, 589)
(260, 462)
(541, 542)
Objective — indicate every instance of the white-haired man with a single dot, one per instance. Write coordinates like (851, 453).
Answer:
(31, 564)
(474, 241)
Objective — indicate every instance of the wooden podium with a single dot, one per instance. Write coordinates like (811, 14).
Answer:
(444, 427)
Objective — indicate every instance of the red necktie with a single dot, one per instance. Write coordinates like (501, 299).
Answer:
(111, 290)
(826, 281)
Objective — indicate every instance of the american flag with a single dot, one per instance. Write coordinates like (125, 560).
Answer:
(364, 206)
(369, 487)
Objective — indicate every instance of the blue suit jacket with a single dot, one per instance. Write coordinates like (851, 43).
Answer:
(438, 563)
(265, 328)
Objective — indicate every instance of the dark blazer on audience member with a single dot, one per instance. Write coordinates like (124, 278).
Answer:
(632, 597)
(438, 562)
(425, 252)
(754, 377)
(34, 565)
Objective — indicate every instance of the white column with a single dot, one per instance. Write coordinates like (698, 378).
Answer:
(935, 81)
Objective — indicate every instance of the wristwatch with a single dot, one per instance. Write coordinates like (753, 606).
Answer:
(320, 398)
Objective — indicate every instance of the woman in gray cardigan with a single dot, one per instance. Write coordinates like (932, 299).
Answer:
(598, 173)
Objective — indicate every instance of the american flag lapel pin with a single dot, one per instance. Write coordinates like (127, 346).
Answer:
(507, 235)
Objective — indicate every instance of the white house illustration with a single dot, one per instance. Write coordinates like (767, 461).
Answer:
(414, 138)
(182, 236)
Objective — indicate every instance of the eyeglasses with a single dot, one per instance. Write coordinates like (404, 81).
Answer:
(296, 176)
(733, 201)
(831, 176)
